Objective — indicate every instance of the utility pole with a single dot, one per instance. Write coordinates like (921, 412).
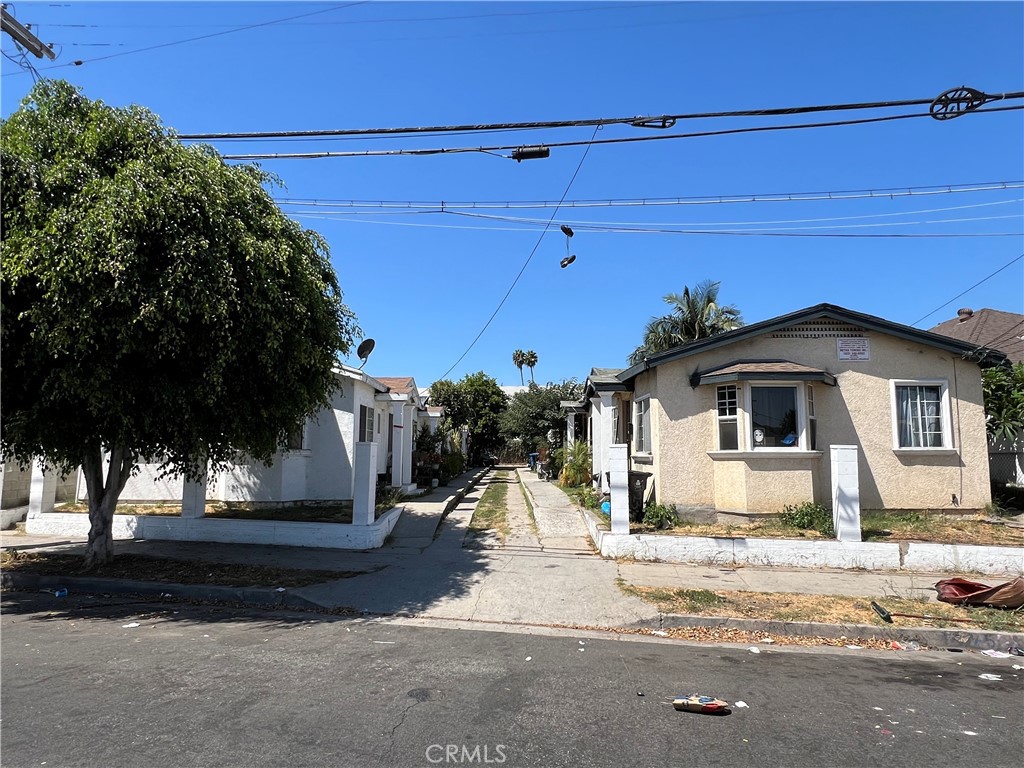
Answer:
(23, 36)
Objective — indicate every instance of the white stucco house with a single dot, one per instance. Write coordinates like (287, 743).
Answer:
(744, 421)
(365, 437)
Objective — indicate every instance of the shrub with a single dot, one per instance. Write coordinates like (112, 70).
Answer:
(575, 464)
(809, 517)
(452, 464)
(586, 497)
(387, 497)
(659, 515)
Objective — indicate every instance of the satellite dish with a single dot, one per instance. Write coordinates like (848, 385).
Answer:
(364, 350)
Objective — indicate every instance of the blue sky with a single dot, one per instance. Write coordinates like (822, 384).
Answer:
(424, 283)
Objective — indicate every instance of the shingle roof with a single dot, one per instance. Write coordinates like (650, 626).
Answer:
(988, 328)
(403, 385)
(738, 370)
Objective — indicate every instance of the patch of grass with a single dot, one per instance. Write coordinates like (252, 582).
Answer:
(829, 609)
(340, 512)
(158, 569)
(491, 513)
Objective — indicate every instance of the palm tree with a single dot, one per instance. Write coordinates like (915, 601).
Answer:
(695, 315)
(530, 360)
(519, 360)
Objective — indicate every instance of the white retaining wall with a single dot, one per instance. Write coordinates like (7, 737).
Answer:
(911, 556)
(293, 534)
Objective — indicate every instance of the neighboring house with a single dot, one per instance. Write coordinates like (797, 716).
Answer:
(1004, 332)
(743, 421)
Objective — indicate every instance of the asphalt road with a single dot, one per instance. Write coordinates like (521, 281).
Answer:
(211, 686)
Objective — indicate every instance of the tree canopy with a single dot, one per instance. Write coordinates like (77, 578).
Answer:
(1004, 401)
(532, 414)
(694, 315)
(155, 301)
(475, 402)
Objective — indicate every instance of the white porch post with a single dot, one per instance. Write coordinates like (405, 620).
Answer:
(42, 492)
(619, 471)
(407, 435)
(397, 444)
(193, 497)
(570, 428)
(364, 484)
(845, 493)
(604, 427)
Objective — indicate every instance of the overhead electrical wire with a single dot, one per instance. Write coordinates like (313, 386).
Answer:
(588, 143)
(984, 279)
(773, 197)
(272, 22)
(667, 121)
(529, 258)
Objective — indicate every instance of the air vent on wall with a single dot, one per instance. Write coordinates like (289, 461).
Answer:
(819, 329)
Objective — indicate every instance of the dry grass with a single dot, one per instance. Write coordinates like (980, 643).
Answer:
(219, 510)
(158, 569)
(491, 513)
(875, 526)
(827, 609)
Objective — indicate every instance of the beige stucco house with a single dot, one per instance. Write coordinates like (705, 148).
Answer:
(744, 421)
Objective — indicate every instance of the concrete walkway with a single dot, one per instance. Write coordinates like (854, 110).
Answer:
(545, 572)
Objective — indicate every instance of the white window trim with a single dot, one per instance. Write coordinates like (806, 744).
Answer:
(738, 418)
(803, 434)
(638, 451)
(946, 413)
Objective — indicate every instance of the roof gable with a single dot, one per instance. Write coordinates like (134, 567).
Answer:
(817, 321)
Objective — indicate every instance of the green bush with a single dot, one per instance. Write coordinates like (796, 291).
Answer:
(808, 517)
(586, 497)
(452, 465)
(659, 515)
(575, 464)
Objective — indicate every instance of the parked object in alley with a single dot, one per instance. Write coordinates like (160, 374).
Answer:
(887, 615)
(958, 591)
(705, 705)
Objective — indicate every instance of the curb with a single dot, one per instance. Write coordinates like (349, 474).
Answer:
(258, 597)
(932, 637)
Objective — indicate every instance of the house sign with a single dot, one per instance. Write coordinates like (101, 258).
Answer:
(855, 348)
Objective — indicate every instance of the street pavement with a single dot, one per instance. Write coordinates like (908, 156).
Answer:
(115, 682)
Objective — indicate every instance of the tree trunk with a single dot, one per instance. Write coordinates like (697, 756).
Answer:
(103, 499)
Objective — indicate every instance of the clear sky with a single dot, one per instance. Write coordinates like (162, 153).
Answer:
(423, 283)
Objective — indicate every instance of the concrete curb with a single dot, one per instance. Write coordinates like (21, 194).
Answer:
(257, 597)
(933, 637)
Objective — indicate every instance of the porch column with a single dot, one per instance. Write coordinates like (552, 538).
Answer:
(364, 484)
(193, 497)
(845, 493)
(407, 436)
(618, 468)
(604, 437)
(397, 444)
(43, 490)
(570, 429)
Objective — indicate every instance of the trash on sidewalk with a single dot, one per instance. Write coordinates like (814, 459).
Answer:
(132, 625)
(996, 654)
(753, 649)
(886, 616)
(855, 647)
(990, 676)
(705, 705)
(1009, 594)
(61, 592)
(280, 589)
(1015, 650)
(741, 705)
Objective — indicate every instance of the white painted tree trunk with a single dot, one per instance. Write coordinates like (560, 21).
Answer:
(103, 499)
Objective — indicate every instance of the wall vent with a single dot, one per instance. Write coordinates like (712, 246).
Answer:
(819, 329)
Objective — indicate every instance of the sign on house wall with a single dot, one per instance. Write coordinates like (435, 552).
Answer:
(856, 348)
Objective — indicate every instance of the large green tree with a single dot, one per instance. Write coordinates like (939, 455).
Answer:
(533, 414)
(1004, 401)
(155, 302)
(475, 402)
(695, 314)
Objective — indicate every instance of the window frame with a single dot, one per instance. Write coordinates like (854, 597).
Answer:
(745, 422)
(365, 423)
(801, 414)
(733, 418)
(945, 414)
(642, 425)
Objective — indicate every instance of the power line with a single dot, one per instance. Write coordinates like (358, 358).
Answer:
(665, 231)
(588, 143)
(525, 264)
(1012, 261)
(772, 197)
(649, 121)
(78, 63)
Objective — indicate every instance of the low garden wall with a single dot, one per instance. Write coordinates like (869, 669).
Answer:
(231, 531)
(910, 556)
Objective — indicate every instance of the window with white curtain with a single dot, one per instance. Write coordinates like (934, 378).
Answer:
(921, 414)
